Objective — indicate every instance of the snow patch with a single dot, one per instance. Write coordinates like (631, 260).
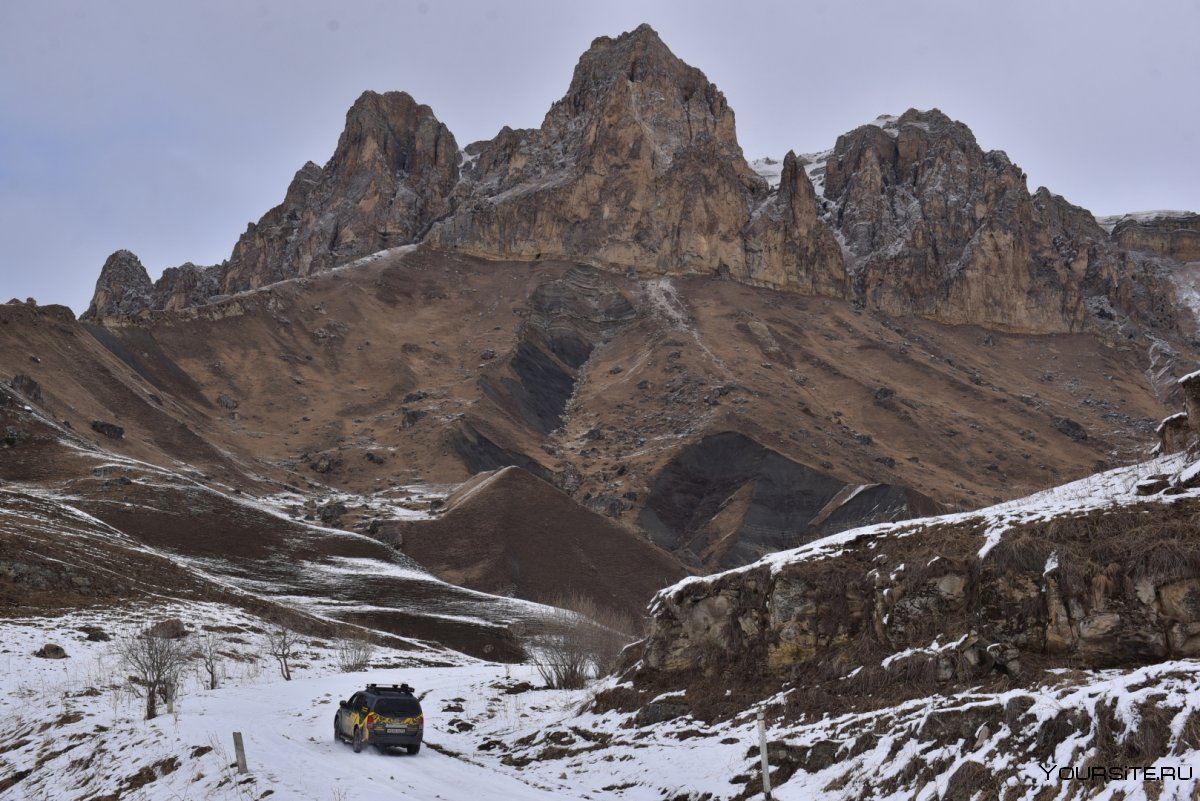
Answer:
(769, 169)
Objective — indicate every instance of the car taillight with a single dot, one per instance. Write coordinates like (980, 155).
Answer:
(420, 721)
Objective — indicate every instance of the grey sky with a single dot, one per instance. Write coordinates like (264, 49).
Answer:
(165, 127)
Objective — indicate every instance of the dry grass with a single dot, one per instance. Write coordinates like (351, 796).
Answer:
(354, 652)
(1152, 540)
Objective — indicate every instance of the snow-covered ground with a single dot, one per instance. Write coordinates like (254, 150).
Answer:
(76, 727)
(75, 731)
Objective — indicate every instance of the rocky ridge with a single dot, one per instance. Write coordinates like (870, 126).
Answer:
(936, 226)
(388, 180)
(638, 167)
(1169, 234)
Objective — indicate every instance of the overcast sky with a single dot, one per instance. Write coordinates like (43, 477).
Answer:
(165, 127)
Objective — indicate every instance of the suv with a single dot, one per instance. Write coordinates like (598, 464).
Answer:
(383, 715)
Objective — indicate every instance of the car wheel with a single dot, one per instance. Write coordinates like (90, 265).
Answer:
(337, 729)
(357, 743)
(413, 749)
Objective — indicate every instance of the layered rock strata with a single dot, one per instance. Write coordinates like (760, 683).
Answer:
(1051, 589)
(1172, 235)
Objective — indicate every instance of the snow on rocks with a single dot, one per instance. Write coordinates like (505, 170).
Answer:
(1117, 487)
(1109, 222)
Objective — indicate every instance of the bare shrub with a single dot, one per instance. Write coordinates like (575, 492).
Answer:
(282, 643)
(580, 640)
(560, 651)
(157, 663)
(209, 655)
(354, 653)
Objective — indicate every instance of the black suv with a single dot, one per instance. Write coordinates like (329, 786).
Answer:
(383, 715)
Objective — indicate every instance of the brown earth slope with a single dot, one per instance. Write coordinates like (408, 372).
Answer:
(510, 533)
(420, 367)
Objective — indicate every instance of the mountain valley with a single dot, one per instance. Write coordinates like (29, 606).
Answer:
(869, 439)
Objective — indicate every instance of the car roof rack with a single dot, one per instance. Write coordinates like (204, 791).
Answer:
(394, 688)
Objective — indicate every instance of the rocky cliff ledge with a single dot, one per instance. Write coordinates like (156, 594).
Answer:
(1170, 234)
(1091, 574)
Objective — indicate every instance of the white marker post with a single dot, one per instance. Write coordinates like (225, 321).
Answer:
(762, 752)
(240, 750)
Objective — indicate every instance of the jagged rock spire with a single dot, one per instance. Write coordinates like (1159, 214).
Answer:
(123, 287)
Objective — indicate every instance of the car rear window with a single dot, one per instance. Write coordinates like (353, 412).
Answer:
(398, 707)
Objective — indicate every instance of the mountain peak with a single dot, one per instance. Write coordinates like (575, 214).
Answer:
(636, 58)
(123, 287)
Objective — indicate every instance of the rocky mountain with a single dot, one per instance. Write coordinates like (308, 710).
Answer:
(676, 353)
(638, 168)
(389, 178)
(937, 227)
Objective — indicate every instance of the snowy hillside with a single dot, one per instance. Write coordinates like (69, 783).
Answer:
(488, 735)
(77, 731)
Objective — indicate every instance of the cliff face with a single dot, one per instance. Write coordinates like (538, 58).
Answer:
(638, 168)
(1172, 235)
(936, 226)
(122, 288)
(962, 597)
(788, 246)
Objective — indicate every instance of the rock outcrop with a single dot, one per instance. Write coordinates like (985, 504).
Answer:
(185, 286)
(788, 246)
(936, 226)
(638, 166)
(390, 177)
(924, 599)
(123, 287)
(1172, 235)
(388, 180)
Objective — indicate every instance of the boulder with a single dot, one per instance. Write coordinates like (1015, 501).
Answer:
(1174, 433)
(171, 628)
(110, 430)
(30, 389)
(51, 651)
